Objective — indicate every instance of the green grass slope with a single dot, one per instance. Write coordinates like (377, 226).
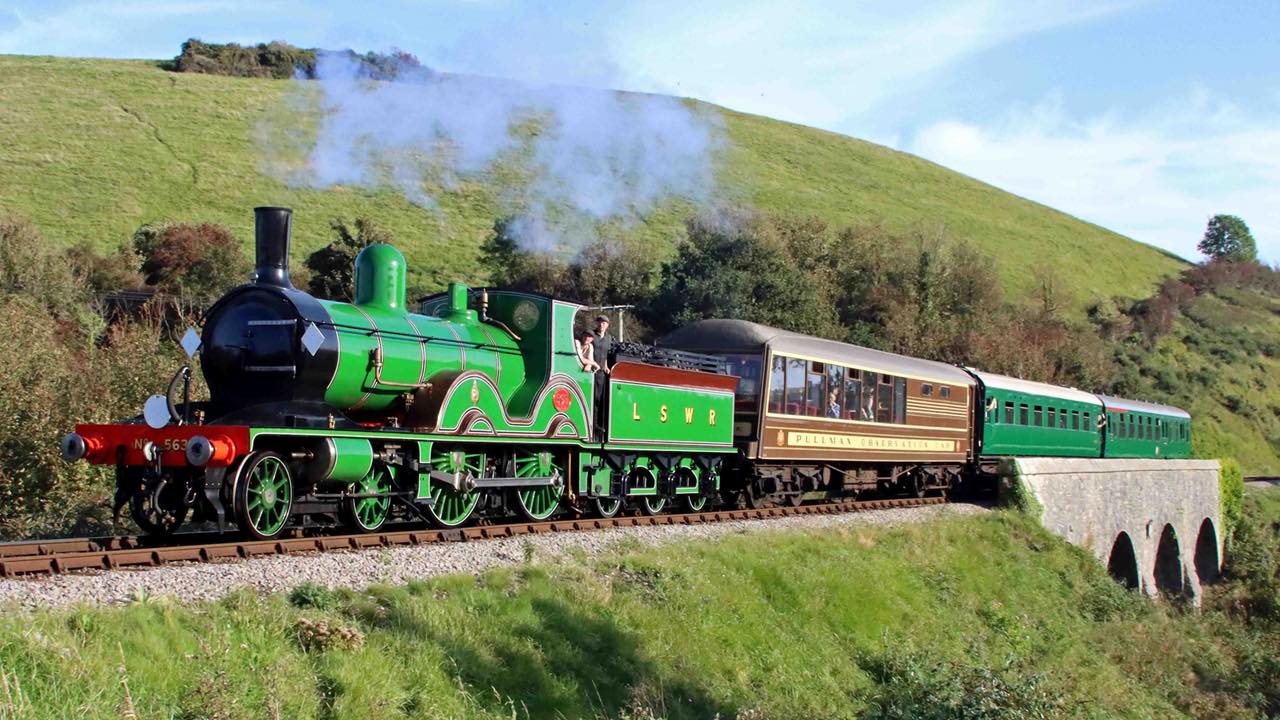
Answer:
(1220, 363)
(984, 617)
(94, 148)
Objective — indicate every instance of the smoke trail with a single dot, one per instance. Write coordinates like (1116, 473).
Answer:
(577, 155)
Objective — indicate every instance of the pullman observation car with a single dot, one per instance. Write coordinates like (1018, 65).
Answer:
(816, 415)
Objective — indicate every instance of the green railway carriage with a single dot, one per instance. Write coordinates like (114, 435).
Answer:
(1025, 418)
(1137, 429)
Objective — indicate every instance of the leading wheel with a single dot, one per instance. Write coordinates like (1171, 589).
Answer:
(367, 514)
(541, 501)
(264, 495)
(160, 507)
(451, 507)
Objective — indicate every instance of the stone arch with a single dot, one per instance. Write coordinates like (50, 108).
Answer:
(1208, 563)
(1168, 570)
(1122, 564)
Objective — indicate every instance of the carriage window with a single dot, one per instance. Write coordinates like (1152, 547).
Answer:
(1151, 429)
(815, 395)
(795, 387)
(1075, 419)
(1008, 413)
(1053, 417)
(777, 384)
(926, 390)
(944, 392)
(1062, 419)
(1085, 420)
(899, 400)
(884, 399)
(867, 410)
(1039, 416)
(747, 369)
(852, 393)
(1024, 417)
(833, 406)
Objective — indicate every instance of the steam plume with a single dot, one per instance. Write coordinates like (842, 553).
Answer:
(569, 156)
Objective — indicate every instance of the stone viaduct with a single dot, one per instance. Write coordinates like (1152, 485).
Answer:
(1155, 524)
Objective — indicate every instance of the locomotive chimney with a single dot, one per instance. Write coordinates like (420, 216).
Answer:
(272, 227)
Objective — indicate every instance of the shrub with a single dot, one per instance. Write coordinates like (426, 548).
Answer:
(198, 262)
(282, 61)
(274, 60)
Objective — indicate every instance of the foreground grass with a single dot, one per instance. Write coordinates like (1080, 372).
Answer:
(95, 148)
(980, 617)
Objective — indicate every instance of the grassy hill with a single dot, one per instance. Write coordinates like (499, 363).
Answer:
(94, 148)
(980, 617)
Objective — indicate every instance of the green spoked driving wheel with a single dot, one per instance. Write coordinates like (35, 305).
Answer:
(370, 512)
(539, 502)
(264, 495)
(451, 507)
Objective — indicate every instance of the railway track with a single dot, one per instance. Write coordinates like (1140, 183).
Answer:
(52, 557)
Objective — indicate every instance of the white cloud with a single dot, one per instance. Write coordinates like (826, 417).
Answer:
(819, 62)
(1156, 177)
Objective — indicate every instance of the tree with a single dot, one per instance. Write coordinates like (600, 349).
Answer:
(333, 266)
(512, 266)
(1227, 237)
(738, 266)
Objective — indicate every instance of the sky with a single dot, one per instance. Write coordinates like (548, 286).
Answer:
(1146, 117)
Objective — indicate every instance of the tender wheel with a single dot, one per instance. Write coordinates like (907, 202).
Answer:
(159, 508)
(540, 502)
(449, 507)
(607, 507)
(686, 479)
(367, 514)
(264, 495)
(695, 503)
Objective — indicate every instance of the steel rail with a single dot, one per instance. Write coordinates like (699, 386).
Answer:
(55, 557)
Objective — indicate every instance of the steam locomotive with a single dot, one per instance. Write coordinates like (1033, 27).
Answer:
(475, 404)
